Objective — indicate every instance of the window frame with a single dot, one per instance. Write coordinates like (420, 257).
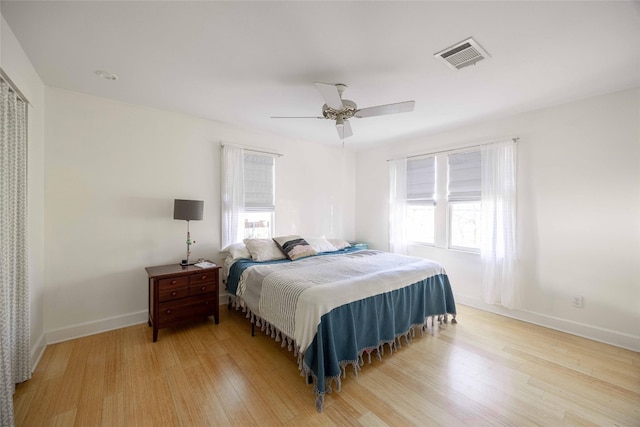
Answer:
(473, 196)
(270, 207)
(243, 221)
(442, 210)
(234, 190)
(450, 245)
(419, 195)
(422, 242)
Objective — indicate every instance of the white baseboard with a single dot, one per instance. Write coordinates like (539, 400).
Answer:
(95, 327)
(98, 326)
(607, 336)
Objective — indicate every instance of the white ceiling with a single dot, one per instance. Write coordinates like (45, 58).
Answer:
(242, 62)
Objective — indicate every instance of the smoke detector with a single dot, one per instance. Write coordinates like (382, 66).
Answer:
(463, 54)
(106, 75)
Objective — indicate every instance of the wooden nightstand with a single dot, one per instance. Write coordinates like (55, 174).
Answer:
(180, 294)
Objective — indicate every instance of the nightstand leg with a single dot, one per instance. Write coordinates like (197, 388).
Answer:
(155, 334)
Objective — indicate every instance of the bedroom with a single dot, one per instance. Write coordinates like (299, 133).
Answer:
(104, 173)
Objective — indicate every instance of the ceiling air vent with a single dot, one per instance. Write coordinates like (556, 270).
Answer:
(463, 54)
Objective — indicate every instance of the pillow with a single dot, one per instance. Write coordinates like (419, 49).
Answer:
(339, 243)
(263, 250)
(294, 246)
(320, 244)
(236, 251)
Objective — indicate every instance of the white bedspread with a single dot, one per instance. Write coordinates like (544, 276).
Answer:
(294, 296)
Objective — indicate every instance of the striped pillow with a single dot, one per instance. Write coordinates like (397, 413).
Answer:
(294, 247)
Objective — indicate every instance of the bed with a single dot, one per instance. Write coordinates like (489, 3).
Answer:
(335, 305)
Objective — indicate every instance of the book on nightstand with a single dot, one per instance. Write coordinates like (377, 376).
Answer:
(205, 264)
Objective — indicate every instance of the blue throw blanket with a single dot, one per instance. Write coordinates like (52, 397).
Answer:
(347, 331)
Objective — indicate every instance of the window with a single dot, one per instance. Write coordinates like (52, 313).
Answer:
(421, 182)
(464, 192)
(464, 225)
(248, 195)
(454, 221)
(256, 220)
(256, 225)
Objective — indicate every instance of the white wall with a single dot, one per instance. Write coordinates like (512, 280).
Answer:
(112, 172)
(578, 214)
(15, 63)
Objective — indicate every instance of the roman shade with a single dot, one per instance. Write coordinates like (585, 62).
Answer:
(465, 178)
(421, 181)
(259, 182)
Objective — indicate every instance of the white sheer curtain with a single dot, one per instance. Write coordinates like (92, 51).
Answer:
(232, 193)
(397, 206)
(498, 247)
(14, 291)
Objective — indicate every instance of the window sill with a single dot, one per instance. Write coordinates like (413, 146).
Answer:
(464, 250)
(422, 244)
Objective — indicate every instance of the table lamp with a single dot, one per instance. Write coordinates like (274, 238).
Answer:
(188, 210)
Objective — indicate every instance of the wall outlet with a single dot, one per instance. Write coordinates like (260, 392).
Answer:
(577, 301)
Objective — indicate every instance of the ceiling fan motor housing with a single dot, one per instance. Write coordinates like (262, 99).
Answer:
(349, 110)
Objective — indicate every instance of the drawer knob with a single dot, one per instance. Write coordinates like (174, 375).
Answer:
(203, 288)
(203, 277)
(169, 311)
(206, 302)
(174, 293)
(173, 282)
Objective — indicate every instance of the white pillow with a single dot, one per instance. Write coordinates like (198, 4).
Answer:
(320, 244)
(236, 251)
(339, 243)
(263, 250)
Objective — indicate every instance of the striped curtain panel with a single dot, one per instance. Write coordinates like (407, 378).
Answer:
(14, 291)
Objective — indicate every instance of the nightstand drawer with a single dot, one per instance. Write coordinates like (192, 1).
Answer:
(171, 292)
(185, 309)
(202, 288)
(172, 283)
(203, 278)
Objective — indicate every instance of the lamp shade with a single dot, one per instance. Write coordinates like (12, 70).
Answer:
(189, 210)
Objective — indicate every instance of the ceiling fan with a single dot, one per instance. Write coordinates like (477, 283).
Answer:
(341, 110)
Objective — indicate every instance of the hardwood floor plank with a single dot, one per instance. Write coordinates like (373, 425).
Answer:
(486, 370)
(190, 398)
(225, 392)
(58, 360)
(113, 410)
(64, 419)
(114, 362)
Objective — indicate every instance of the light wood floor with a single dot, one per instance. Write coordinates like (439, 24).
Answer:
(486, 370)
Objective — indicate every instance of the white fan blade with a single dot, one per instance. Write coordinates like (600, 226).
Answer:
(297, 117)
(380, 110)
(344, 129)
(330, 95)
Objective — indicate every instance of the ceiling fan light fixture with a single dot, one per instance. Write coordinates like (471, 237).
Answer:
(344, 128)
